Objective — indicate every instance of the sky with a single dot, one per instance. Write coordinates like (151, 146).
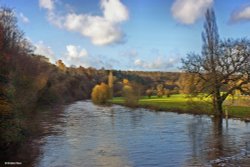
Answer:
(148, 35)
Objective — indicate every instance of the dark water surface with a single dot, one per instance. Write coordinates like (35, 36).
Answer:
(88, 135)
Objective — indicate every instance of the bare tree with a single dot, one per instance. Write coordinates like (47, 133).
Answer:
(13, 39)
(224, 66)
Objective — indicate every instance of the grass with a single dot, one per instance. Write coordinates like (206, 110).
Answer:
(181, 104)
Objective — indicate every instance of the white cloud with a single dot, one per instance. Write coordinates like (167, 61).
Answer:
(98, 29)
(114, 11)
(188, 11)
(75, 52)
(75, 55)
(139, 62)
(55, 19)
(242, 14)
(102, 30)
(23, 18)
(42, 49)
(159, 63)
(46, 4)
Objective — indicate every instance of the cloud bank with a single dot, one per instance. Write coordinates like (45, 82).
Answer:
(42, 49)
(75, 52)
(78, 56)
(75, 55)
(101, 30)
(188, 11)
(242, 14)
(159, 63)
(46, 4)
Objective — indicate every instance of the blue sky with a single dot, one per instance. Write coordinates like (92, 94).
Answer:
(125, 34)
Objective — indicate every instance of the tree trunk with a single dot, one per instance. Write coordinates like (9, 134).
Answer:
(217, 101)
(218, 107)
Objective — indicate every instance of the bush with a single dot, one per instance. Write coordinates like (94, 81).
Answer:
(100, 94)
(160, 91)
(149, 93)
(130, 96)
(167, 92)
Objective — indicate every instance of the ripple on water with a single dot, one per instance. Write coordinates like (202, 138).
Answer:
(90, 135)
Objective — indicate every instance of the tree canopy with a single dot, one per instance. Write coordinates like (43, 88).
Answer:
(100, 94)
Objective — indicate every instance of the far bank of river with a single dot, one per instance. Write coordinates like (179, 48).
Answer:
(180, 104)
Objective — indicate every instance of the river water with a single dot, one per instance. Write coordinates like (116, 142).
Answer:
(88, 135)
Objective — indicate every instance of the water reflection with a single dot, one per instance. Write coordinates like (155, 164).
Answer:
(215, 143)
(136, 117)
(90, 135)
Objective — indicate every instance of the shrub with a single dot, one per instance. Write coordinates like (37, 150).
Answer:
(149, 92)
(167, 92)
(130, 96)
(100, 94)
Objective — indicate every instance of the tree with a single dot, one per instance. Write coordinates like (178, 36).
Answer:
(125, 81)
(130, 93)
(100, 94)
(167, 92)
(190, 84)
(160, 90)
(13, 49)
(130, 97)
(149, 92)
(184, 84)
(12, 39)
(220, 64)
(61, 65)
(110, 84)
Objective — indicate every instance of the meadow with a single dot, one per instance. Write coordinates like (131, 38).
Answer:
(236, 108)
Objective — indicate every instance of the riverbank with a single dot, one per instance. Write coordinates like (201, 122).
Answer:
(34, 124)
(181, 104)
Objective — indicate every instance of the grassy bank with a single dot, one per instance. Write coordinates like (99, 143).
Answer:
(181, 104)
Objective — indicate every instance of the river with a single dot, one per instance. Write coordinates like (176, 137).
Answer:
(114, 136)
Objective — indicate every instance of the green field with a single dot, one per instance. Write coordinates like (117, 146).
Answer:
(181, 104)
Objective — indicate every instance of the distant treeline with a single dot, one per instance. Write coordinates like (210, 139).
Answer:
(146, 80)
